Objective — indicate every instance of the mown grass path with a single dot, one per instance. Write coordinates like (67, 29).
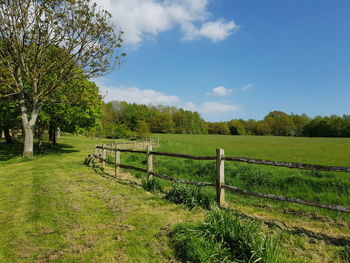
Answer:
(53, 208)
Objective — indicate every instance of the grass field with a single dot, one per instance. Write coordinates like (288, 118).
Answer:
(324, 187)
(53, 208)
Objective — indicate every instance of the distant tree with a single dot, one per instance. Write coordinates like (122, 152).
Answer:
(281, 123)
(300, 122)
(39, 37)
(263, 128)
(142, 130)
(160, 122)
(218, 128)
(346, 126)
(237, 127)
(121, 131)
(188, 122)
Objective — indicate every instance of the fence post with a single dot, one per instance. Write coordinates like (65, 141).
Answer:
(103, 156)
(220, 177)
(149, 162)
(117, 161)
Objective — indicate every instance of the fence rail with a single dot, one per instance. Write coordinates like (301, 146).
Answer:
(220, 173)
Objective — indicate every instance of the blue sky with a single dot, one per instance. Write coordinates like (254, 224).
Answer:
(234, 58)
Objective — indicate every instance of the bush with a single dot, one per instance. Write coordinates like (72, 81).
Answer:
(189, 195)
(223, 237)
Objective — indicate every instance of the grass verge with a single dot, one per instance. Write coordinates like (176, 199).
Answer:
(224, 237)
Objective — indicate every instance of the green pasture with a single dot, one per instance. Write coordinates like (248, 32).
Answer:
(323, 187)
(323, 151)
(55, 209)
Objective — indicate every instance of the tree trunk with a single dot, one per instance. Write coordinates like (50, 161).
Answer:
(0, 132)
(54, 141)
(28, 140)
(14, 135)
(28, 127)
(40, 133)
(58, 133)
(7, 135)
(51, 131)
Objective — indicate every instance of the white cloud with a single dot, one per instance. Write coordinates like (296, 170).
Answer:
(219, 91)
(139, 96)
(189, 106)
(214, 30)
(145, 19)
(248, 86)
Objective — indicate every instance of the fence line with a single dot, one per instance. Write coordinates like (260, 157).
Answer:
(220, 173)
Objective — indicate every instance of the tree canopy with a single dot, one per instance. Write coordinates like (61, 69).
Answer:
(47, 43)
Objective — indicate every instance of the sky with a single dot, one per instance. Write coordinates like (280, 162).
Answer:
(231, 59)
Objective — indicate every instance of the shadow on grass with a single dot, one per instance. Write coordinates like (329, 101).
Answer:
(10, 151)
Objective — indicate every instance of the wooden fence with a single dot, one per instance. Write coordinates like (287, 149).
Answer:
(220, 172)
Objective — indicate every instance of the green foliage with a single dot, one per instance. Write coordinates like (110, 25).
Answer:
(333, 126)
(163, 119)
(237, 127)
(218, 128)
(74, 107)
(143, 119)
(344, 253)
(153, 185)
(224, 237)
(45, 57)
(142, 130)
(121, 131)
(189, 195)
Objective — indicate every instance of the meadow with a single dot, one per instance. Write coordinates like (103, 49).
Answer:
(53, 208)
(324, 187)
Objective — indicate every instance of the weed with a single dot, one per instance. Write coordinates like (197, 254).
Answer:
(152, 185)
(189, 195)
(344, 254)
(224, 237)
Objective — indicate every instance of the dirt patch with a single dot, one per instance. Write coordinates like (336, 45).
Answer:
(128, 228)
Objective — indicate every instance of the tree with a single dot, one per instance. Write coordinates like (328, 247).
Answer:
(142, 130)
(42, 37)
(73, 108)
(300, 121)
(237, 127)
(8, 118)
(280, 123)
(218, 128)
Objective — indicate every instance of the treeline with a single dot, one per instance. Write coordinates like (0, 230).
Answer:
(279, 123)
(122, 119)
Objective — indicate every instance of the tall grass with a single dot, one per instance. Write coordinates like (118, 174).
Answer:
(224, 237)
(189, 195)
(153, 185)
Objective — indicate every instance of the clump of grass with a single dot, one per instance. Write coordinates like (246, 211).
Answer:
(224, 237)
(153, 185)
(189, 195)
(344, 254)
